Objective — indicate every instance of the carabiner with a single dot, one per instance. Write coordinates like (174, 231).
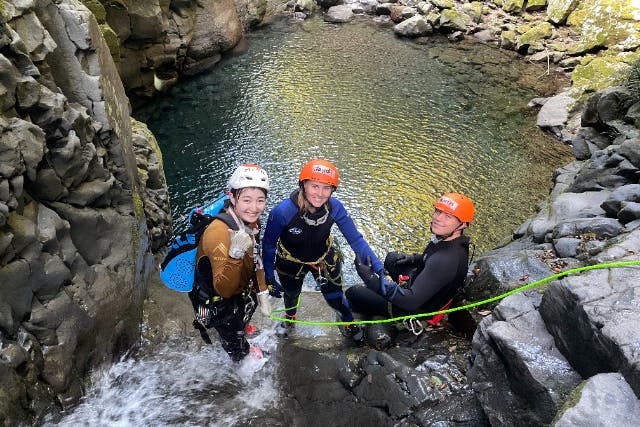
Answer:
(414, 325)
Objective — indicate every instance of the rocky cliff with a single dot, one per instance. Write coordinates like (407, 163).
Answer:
(154, 43)
(83, 203)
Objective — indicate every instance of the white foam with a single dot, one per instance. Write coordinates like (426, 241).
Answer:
(178, 386)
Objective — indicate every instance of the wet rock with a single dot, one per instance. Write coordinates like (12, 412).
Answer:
(630, 212)
(507, 268)
(527, 352)
(601, 228)
(599, 334)
(604, 399)
(605, 106)
(391, 385)
(567, 246)
(626, 193)
(587, 141)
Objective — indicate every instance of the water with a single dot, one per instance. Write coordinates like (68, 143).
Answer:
(404, 122)
(181, 383)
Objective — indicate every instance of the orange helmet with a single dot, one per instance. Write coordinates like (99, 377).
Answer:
(457, 205)
(319, 170)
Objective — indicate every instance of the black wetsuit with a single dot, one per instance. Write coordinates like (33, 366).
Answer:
(435, 278)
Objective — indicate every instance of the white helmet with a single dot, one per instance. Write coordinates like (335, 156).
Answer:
(249, 175)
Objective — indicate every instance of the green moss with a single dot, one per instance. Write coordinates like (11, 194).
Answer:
(141, 128)
(97, 9)
(571, 401)
(512, 5)
(112, 40)
(454, 19)
(3, 12)
(606, 23)
(599, 73)
(508, 39)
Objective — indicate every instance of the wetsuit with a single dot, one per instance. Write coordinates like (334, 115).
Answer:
(435, 278)
(296, 246)
(230, 286)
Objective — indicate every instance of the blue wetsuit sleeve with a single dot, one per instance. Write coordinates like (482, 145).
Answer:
(278, 219)
(351, 233)
(439, 270)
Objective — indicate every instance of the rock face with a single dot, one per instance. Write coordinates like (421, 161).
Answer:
(82, 203)
(155, 42)
(538, 359)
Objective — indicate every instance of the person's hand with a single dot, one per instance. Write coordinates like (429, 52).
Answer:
(389, 288)
(407, 259)
(366, 273)
(364, 269)
(264, 303)
(275, 288)
(240, 243)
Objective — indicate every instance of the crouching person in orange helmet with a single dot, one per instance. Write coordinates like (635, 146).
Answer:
(422, 282)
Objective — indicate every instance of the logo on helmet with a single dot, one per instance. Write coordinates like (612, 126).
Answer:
(451, 204)
(323, 170)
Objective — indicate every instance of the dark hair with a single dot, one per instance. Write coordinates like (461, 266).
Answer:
(237, 191)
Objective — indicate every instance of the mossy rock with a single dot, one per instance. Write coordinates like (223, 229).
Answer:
(474, 10)
(534, 37)
(442, 4)
(599, 73)
(143, 130)
(455, 20)
(536, 4)
(508, 39)
(112, 40)
(606, 23)
(512, 6)
(559, 10)
(97, 9)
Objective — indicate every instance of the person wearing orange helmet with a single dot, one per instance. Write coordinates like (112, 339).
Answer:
(298, 240)
(422, 282)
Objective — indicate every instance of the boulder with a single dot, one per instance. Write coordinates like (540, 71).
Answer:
(339, 14)
(604, 399)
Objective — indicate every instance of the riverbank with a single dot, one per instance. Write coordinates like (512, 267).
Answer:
(593, 42)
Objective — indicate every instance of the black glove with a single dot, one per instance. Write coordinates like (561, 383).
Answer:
(407, 259)
(366, 273)
(275, 288)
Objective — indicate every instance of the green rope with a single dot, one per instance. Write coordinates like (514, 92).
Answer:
(474, 304)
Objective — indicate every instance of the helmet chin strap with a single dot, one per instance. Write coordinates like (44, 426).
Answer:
(435, 238)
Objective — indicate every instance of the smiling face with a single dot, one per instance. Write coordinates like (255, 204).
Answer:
(316, 192)
(445, 224)
(249, 203)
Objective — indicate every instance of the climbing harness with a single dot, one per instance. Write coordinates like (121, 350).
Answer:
(321, 265)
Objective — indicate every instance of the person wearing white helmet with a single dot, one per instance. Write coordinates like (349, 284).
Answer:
(229, 279)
